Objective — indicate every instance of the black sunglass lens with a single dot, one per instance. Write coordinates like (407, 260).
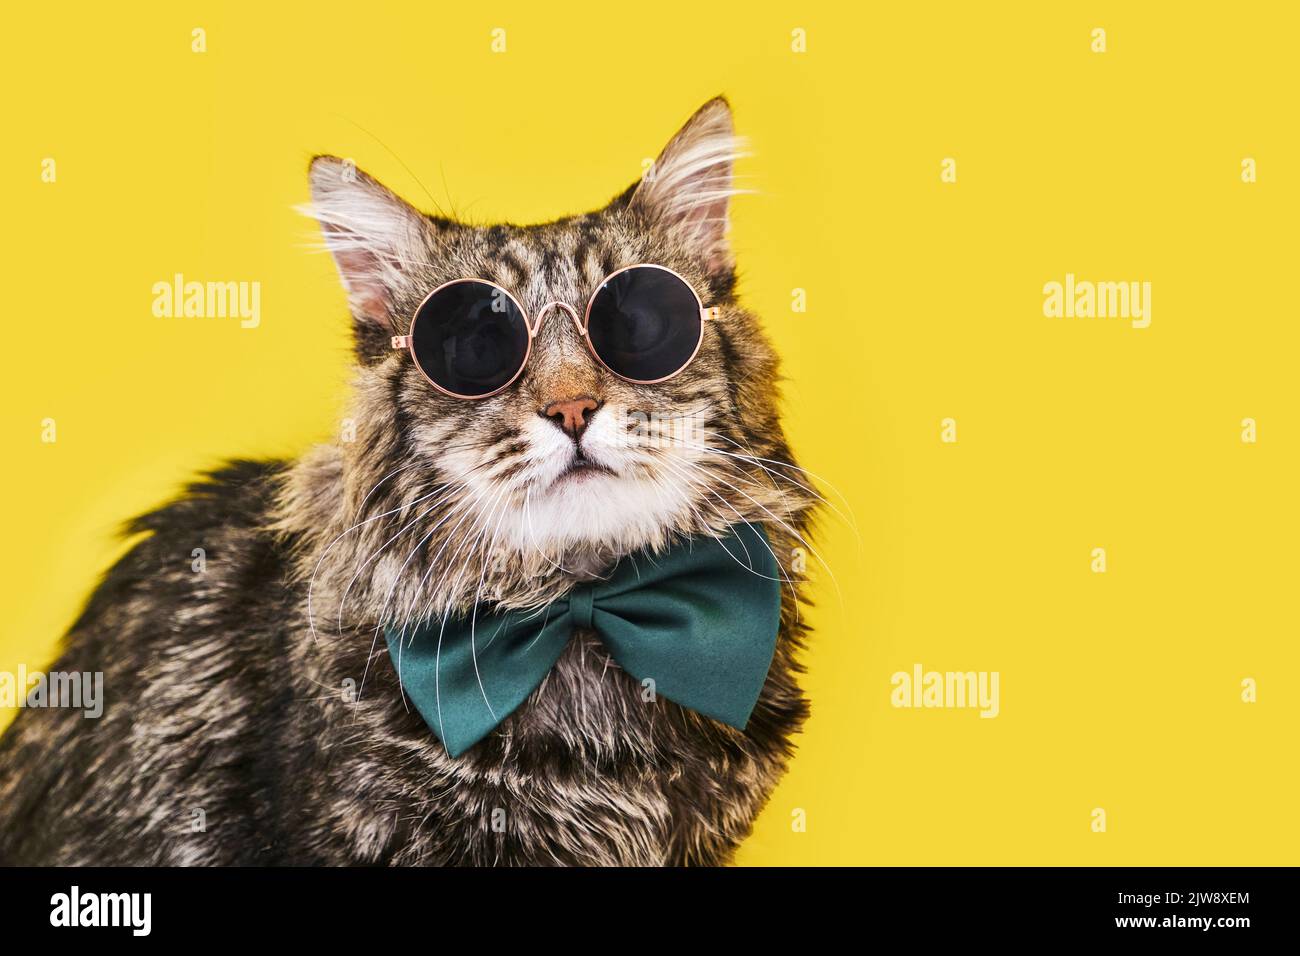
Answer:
(645, 323)
(470, 338)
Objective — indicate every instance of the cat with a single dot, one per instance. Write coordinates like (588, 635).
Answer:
(253, 714)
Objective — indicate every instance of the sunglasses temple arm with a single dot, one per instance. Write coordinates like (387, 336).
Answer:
(400, 341)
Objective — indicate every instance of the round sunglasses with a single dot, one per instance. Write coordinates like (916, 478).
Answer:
(471, 338)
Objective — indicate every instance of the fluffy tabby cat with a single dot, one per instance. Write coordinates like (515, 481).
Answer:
(227, 690)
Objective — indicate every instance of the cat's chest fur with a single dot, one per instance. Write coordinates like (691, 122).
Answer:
(228, 704)
(591, 769)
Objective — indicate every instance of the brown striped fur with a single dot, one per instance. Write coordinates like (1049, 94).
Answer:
(254, 693)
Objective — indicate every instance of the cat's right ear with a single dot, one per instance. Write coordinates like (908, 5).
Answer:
(688, 189)
(378, 239)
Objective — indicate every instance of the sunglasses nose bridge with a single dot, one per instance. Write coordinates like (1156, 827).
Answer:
(562, 306)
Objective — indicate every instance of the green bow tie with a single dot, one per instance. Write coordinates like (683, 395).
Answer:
(699, 621)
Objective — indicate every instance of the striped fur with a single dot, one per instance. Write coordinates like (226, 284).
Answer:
(257, 697)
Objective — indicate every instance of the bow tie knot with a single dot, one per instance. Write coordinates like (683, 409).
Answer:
(582, 605)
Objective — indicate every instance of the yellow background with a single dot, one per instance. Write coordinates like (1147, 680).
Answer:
(1118, 690)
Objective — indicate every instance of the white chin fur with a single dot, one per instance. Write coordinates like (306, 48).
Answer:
(619, 512)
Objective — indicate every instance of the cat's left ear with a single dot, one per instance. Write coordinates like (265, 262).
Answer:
(688, 189)
(377, 238)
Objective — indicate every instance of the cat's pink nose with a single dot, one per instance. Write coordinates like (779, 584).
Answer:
(570, 414)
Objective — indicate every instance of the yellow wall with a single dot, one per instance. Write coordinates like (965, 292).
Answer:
(1119, 691)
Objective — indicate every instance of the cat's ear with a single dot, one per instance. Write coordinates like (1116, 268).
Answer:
(377, 238)
(688, 189)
